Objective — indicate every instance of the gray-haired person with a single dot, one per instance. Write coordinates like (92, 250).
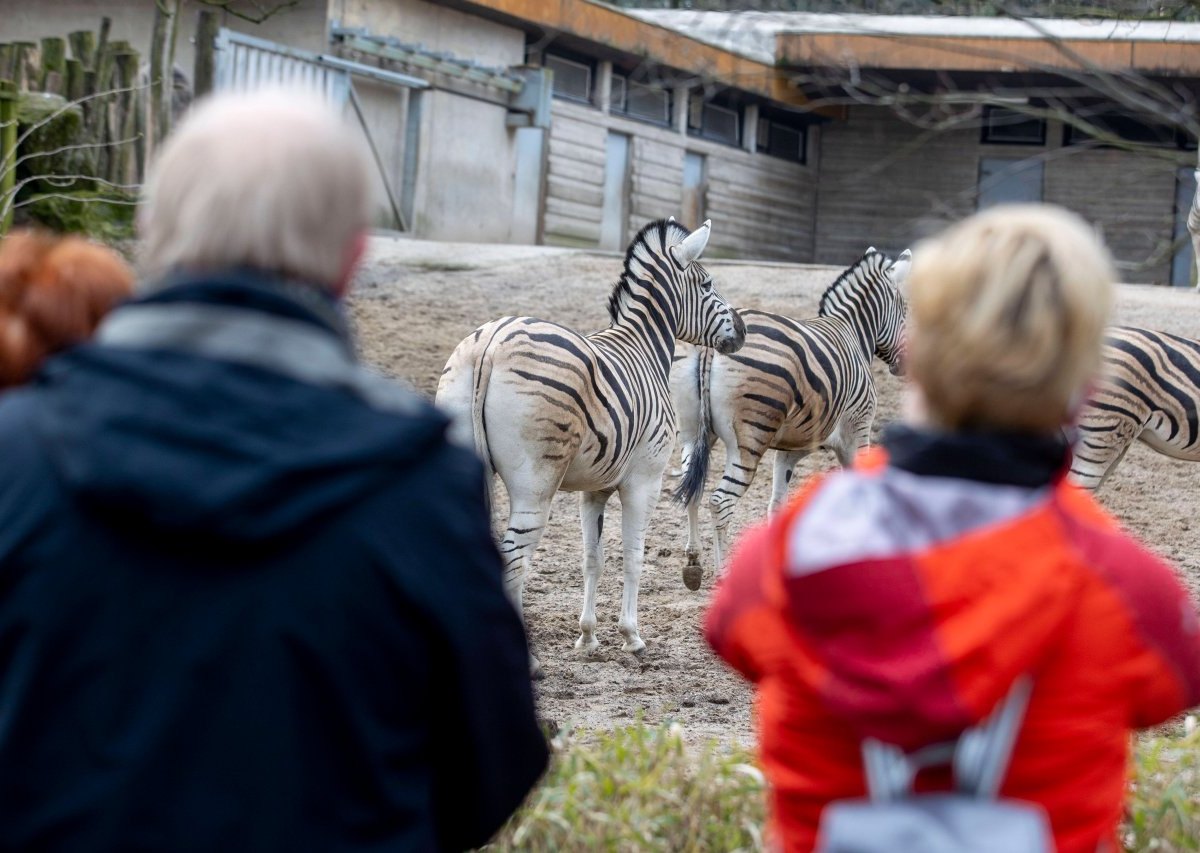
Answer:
(249, 598)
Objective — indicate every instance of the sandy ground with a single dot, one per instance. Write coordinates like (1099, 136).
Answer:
(416, 300)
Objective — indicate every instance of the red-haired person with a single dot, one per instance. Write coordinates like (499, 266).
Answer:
(53, 293)
(901, 599)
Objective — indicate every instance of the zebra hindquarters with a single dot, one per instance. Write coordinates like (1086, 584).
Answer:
(1104, 438)
(748, 406)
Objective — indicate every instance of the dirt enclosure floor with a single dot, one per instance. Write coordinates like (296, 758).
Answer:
(415, 301)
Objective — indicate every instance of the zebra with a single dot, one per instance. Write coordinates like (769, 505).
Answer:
(794, 387)
(549, 409)
(1148, 389)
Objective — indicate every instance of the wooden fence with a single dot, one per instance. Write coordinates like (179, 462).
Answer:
(92, 73)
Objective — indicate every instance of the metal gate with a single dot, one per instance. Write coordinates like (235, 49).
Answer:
(245, 62)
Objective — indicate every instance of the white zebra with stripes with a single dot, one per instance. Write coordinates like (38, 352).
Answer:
(550, 409)
(796, 386)
(1148, 390)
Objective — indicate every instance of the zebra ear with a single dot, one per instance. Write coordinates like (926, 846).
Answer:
(692, 246)
(899, 269)
(870, 249)
(670, 219)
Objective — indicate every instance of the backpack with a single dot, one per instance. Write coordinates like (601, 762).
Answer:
(971, 819)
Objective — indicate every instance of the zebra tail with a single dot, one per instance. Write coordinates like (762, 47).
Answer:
(692, 482)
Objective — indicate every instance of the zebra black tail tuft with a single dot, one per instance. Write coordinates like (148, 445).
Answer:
(692, 481)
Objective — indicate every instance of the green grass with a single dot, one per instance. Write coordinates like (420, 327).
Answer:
(641, 788)
(1164, 803)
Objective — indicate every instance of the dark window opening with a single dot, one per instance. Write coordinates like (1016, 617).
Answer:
(1111, 129)
(640, 101)
(713, 121)
(572, 78)
(1005, 126)
(780, 137)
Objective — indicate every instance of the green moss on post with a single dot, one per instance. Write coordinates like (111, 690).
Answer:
(75, 80)
(53, 73)
(8, 151)
(83, 47)
(6, 61)
(57, 126)
(106, 215)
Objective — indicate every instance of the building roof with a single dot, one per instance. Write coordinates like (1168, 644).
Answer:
(633, 35)
(950, 43)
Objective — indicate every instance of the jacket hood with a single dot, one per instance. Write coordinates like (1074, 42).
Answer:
(228, 407)
(925, 584)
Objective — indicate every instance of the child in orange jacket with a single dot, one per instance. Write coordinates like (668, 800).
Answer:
(899, 600)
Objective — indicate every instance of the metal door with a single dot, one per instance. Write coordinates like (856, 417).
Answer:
(1181, 263)
(1008, 181)
(615, 212)
(692, 209)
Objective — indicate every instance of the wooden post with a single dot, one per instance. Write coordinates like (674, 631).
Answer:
(204, 72)
(8, 152)
(24, 65)
(162, 56)
(75, 82)
(6, 61)
(83, 47)
(125, 156)
(53, 73)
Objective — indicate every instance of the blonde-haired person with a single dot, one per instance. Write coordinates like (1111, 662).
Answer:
(54, 290)
(900, 600)
(251, 598)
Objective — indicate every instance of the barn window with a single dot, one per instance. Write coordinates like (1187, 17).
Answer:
(779, 137)
(1005, 126)
(641, 101)
(1114, 128)
(572, 78)
(716, 122)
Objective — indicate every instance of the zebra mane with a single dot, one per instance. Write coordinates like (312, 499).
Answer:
(866, 273)
(653, 240)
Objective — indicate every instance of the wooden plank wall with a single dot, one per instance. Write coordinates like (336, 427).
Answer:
(885, 182)
(1131, 199)
(761, 207)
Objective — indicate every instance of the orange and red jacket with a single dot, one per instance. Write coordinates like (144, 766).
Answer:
(900, 601)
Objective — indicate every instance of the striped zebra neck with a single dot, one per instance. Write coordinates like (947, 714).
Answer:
(646, 300)
(858, 297)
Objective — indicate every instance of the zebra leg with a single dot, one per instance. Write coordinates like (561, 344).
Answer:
(693, 572)
(638, 497)
(526, 523)
(1102, 444)
(740, 466)
(781, 481)
(591, 517)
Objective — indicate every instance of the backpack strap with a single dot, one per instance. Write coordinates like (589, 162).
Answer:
(983, 752)
(979, 756)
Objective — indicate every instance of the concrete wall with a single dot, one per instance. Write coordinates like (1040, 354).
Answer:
(885, 182)
(436, 27)
(467, 159)
(303, 25)
(761, 207)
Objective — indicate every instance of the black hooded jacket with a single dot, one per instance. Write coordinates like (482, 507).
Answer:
(249, 598)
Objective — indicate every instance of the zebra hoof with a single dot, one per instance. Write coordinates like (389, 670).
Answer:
(692, 573)
(587, 644)
(636, 646)
(535, 669)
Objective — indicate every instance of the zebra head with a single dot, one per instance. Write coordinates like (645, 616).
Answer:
(705, 318)
(866, 296)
